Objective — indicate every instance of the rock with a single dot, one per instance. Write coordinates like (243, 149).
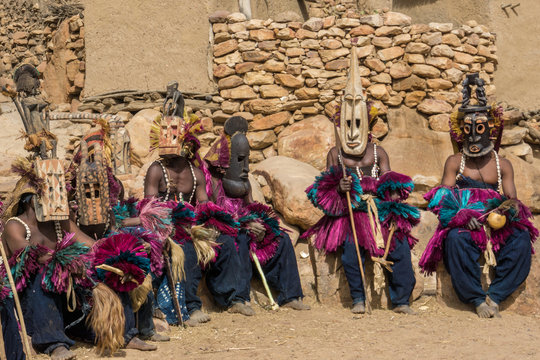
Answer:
(364, 51)
(241, 92)
(273, 91)
(388, 31)
(285, 34)
(414, 98)
(258, 78)
(439, 122)
(255, 24)
(362, 30)
(261, 139)
(261, 35)
(417, 48)
(442, 63)
(451, 39)
(270, 122)
(442, 27)
(225, 47)
(306, 34)
(373, 20)
(382, 42)
(347, 23)
(139, 131)
(274, 66)
(521, 149)
(412, 82)
(294, 52)
(230, 107)
(463, 58)
(236, 17)
(289, 81)
(526, 174)
(331, 44)
(390, 53)
(378, 91)
(419, 29)
(439, 84)
(244, 67)
(308, 141)
(229, 59)
(328, 55)
(400, 70)
(430, 106)
(307, 93)
(230, 82)
(394, 100)
(414, 149)
(426, 71)
(375, 64)
(382, 78)
(396, 19)
(220, 38)
(414, 58)
(313, 24)
(402, 39)
(339, 64)
(263, 106)
(255, 56)
(442, 50)
(432, 39)
(288, 178)
(454, 75)
(451, 97)
(511, 117)
(219, 16)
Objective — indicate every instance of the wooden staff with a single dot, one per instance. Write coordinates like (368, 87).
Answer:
(353, 225)
(172, 288)
(273, 304)
(27, 348)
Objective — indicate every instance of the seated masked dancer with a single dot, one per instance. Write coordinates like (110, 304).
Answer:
(93, 189)
(361, 168)
(260, 235)
(51, 262)
(479, 213)
(175, 178)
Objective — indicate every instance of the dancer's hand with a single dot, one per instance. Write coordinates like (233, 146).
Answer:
(345, 184)
(257, 229)
(473, 224)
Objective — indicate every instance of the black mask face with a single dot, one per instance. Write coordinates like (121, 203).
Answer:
(235, 180)
(476, 135)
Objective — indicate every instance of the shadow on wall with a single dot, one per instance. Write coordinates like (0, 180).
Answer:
(411, 3)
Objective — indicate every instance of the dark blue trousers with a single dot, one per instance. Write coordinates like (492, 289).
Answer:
(461, 257)
(401, 281)
(10, 331)
(281, 271)
(144, 317)
(222, 276)
(130, 329)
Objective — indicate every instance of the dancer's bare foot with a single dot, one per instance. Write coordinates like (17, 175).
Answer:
(159, 337)
(359, 308)
(242, 308)
(485, 311)
(62, 353)
(494, 307)
(404, 309)
(297, 304)
(138, 344)
(197, 318)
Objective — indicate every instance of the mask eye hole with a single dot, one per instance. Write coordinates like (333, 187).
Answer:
(480, 128)
(349, 123)
(357, 122)
(467, 129)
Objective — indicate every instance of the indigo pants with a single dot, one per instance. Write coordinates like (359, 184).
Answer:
(280, 271)
(461, 257)
(10, 331)
(401, 281)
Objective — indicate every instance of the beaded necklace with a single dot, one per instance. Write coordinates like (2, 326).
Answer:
(374, 169)
(168, 183)
(27, 228)
(497, 162)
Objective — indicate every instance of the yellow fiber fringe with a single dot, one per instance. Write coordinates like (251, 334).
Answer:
(177, 262)
(139, 294)
(107, 320)
(204, 241)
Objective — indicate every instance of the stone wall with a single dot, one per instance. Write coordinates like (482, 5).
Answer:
(278, 73)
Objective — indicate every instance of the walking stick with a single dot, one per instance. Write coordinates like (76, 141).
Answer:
(273, 304)
(27, 348)
(172, 288)
(353, 227)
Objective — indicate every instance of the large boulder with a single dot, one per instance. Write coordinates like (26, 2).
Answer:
(526, 177)
(415, 150)
(139, 130)
(308, 141)
(288, 178)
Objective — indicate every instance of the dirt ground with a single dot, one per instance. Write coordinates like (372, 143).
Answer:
(334, 332)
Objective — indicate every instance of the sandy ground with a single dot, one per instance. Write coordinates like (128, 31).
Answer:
(335, 333)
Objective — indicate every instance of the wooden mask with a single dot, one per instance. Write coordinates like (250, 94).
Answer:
(53, 202)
